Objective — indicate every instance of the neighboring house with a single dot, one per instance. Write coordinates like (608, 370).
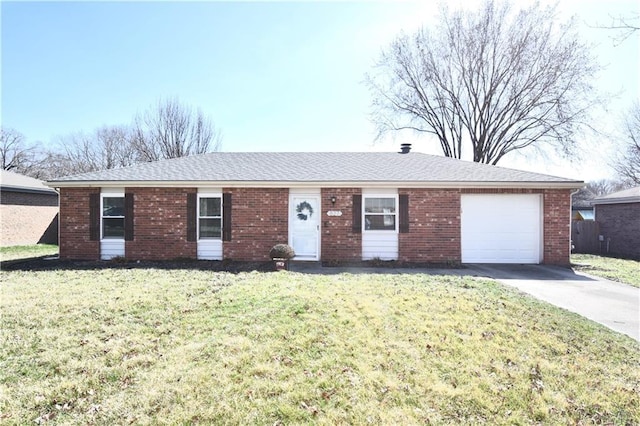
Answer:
(619, 217)
(328, 206)
(28, 211)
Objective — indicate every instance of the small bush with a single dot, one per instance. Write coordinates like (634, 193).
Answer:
(282, 251)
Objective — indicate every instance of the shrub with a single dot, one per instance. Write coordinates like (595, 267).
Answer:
(282, 251)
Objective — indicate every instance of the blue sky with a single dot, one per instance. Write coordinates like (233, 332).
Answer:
(274, 76)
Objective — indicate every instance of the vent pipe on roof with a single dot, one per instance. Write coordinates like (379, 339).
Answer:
(405, 148)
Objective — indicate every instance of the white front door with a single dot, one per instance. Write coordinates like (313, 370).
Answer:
(304, 226)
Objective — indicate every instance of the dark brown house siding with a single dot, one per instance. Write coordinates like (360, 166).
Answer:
(620, 227)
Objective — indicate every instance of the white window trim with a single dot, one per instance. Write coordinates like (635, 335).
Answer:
(364, 214)
(103, 195)
(198, 217)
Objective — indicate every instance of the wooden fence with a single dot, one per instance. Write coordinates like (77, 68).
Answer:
(584, 236)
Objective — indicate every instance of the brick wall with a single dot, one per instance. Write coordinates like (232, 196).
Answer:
(74, 225)
(338, 241)
(160, 224)
(259, 220)
(434, 227)
(557, 226)
(620, 226)
(556, 212)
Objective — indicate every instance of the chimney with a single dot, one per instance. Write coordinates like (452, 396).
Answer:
(405, 148)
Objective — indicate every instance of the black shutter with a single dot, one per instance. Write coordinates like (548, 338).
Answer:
(403, 200)
(192, 200)
(128, 216)
(226, 216)
(94, 217)
(357, 214)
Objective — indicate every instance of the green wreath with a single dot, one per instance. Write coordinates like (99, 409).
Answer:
(302, 207)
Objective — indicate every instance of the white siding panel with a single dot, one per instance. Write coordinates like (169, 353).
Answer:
(501, 228)
(210, 250)
(383, 245)
(111, 248)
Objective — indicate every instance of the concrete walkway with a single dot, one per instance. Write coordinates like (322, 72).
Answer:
(609, 303)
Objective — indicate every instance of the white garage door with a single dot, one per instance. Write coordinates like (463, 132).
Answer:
(501, 228)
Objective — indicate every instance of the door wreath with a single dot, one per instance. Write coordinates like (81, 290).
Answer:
(301, 208)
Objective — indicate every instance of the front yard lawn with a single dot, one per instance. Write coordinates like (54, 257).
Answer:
(24, 252)
(146, 346)
(621, 270)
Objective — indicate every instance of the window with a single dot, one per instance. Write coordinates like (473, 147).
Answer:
(113, 217)
(380, 213)
(209, 217)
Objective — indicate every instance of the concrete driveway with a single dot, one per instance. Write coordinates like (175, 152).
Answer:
(612, 304)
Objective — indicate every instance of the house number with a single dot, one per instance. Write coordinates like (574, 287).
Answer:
(334, 213)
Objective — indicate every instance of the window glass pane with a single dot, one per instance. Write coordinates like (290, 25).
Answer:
(209, 206)
(380, 205)
(113, 228)
(386, 222)
(113, 206)
(210, 228)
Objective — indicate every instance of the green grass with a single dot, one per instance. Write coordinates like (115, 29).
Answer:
(24, 252)
(145, 346)
(621, 270)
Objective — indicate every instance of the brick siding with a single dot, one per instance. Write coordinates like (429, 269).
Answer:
(338, 241)
(160, 224)
(28, 218)
(556, 213)
(434, 227)
(75, 224)
(259, 220)
(620, 226)
(557, 227)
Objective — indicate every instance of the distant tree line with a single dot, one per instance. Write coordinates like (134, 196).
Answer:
(168, 129)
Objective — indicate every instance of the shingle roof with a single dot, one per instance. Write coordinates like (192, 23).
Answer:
(313, 167)
(10, 181)
(631, 195)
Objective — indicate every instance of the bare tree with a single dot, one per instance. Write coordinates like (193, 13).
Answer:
(496, 80)
(17, 155)
(105, 148)
(595, 189)
(624, 25)
(171, 129)
(628, 162)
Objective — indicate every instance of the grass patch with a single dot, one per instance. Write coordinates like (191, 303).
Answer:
(621, 270)
(25, 252)
(146, 346)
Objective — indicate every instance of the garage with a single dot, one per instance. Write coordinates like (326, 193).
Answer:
(501, 228)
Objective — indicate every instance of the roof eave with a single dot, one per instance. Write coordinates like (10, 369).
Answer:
(624, 200)
(13, 188)
(316, 184)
